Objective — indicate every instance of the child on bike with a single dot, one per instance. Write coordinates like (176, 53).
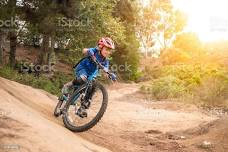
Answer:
(87, 67)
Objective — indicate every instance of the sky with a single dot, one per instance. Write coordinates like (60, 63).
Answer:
(207, 18)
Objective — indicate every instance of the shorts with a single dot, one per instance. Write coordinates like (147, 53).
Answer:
(82, 73)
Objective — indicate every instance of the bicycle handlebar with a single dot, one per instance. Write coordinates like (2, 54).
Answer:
(100, 66)
(110, 74)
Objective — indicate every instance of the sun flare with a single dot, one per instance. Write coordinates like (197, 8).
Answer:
(207, 18)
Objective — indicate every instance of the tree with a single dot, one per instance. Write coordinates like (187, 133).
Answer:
(159, 23)
(127, 53)
(186, 47)
(94, 20)
(145, 29)
(173, 56)
(12, 33)
(82, 26)
(41, 16)
(2, 29)
(77, 24)
(2, 35)
(170, 24)
(7, 15)
(189, 43)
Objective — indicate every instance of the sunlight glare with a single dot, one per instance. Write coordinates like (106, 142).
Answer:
(207, 18)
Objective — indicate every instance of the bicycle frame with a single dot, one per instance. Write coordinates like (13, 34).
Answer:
(88, 84)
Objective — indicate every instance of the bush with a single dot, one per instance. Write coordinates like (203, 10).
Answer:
(7, 72)
(52, 85)
(174, 55)
(165, 87)
(213, 91)
(205, 84)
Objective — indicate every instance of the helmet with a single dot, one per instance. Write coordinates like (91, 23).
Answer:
(106, 41)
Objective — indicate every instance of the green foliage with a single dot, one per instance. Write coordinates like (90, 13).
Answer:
(52, 85)
(98, 22)
(205, 83)
(127, 53)
(173, 56)
(77, 24)
(213, 91)
(7, 72)
(166, 87)
(189, 44)
(158, 23)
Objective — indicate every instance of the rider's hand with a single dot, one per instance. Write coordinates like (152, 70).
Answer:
(112, 76)
(105, 69)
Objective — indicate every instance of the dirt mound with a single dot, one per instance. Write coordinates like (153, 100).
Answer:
(214, 133)
(211, 136)
(27, 123)
(130, 124)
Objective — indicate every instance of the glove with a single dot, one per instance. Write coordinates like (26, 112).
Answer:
(105, 69)
(112, 76)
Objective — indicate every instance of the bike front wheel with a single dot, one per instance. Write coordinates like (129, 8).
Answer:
(96, 110)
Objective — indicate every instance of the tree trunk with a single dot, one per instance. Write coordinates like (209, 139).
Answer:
(13, 46)
(51, 53)
(43, 57)
(1, 47)
(146, 52)
(12, 34)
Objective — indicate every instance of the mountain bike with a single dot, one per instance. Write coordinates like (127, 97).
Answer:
(92, 96)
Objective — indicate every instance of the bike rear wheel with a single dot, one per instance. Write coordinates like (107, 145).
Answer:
(57, 111)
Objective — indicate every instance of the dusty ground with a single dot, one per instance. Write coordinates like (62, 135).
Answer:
(130, 124)
(27, 124)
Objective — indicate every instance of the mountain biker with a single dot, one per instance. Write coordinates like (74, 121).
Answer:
(87, 67)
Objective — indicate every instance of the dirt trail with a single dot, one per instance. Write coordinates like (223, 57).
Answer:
(129, 124)
(27, 124)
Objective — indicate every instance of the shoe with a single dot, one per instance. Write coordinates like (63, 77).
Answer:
(61, 98)
(65, 90)
(67, 87)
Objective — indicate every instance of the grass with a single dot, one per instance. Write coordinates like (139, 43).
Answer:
(51, 85)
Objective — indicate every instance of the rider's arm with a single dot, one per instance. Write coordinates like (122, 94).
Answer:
(111, 75)
(85, 51)
(89, 51)
(106, 65)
